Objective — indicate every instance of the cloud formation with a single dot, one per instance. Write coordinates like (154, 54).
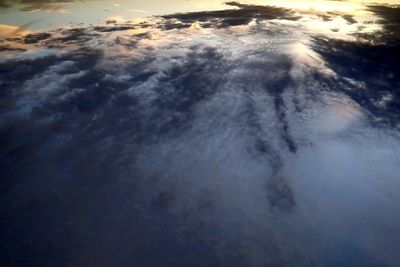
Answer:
(190, 136)
(241, 16)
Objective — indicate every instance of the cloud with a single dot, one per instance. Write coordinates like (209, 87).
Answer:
(359, 61)
(225, 18)
(36, 37)
(390, 17)
(210, 132)
(8, 31)
(138, 10)
(36, 5)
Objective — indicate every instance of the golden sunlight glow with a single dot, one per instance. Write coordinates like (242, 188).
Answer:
(319, 5)
(9, 31)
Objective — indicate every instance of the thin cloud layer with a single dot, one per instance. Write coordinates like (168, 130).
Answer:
(35, 5)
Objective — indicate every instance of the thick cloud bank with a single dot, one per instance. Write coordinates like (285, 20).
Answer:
(227, 138)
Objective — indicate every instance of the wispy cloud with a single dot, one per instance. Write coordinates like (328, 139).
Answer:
(8, 31)
(36, 5)
(138, 10)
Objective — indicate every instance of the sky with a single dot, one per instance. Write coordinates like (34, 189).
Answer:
(48, 14)
(197, 133)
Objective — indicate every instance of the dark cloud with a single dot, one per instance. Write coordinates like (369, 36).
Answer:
(5, 3)
(133, 40)
(376, 66)
(390, 14)
(37, 37)
(64, 37)
(349, 18)
(234, 17)
(390, 17)
(4, 48)
(114, 28)
(280, 195)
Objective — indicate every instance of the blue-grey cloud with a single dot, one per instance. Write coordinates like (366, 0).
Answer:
(186, 140)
